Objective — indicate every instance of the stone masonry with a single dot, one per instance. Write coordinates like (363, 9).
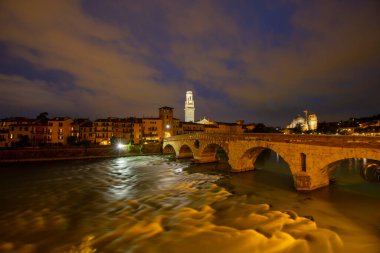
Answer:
(308, 156)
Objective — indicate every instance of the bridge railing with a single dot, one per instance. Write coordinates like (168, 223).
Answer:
(325, 140)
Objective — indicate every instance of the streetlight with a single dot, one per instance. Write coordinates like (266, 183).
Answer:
(120, 145)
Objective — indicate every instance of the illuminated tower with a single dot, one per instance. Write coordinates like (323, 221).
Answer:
(313, 121)
(166, 115)
(306, 127)
(189, 107)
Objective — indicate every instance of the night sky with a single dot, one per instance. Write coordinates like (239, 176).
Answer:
(261, 61)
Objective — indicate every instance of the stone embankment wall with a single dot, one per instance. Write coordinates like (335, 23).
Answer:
(62, 153)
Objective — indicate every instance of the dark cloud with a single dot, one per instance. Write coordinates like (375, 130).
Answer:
(263, 62)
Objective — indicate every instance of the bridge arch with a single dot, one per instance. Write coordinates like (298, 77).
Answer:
(336, 156)
(185, 151)
(208, 151)
(249, 157)
(168, 149)
(330, 168)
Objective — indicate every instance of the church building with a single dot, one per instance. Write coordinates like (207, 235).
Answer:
(309, 122)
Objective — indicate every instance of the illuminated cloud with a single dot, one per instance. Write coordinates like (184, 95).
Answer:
(256, 61)
(101, 58)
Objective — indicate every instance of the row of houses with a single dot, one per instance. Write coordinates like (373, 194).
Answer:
(20, 131)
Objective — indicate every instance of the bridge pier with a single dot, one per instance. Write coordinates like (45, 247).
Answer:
(184, 155)
(245, 163)
(306, 182)
(241, 165)
(205, 159)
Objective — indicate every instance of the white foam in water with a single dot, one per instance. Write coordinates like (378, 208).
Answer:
(151, 205)
(183, 220)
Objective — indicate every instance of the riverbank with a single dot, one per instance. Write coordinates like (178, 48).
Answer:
(75, 153)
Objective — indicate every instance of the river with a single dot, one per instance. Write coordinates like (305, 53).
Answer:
(159, 204)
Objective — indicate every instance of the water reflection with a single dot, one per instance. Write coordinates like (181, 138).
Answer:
(122, 179)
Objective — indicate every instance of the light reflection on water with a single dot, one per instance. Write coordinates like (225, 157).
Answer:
(157, 204)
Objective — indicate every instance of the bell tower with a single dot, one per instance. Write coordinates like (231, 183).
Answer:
(189, 107)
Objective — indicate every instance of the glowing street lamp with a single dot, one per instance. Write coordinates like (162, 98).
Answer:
(120, 145)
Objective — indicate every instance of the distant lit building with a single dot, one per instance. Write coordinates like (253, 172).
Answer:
(86, 132)
(369, 123)
(313, 121)
(190, 127)
(152, 130)
(39, 132)
(103, 131)
(59, 129)
(4, 138)
(21, 133)
(222, 127)
(12, 129)
(126, 130)
(299, 120)
(205, 121)
(309, 122)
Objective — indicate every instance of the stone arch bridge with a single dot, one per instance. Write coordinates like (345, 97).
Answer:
(309, 157)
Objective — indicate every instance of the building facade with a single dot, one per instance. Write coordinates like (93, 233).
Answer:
(86, 133)
(152, 130)
(59, 129)
(64, 130)
(189, 127)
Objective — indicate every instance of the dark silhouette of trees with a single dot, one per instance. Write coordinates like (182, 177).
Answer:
(261, 128)
(43, 116)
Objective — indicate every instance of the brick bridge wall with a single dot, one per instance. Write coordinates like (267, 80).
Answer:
(308, 156)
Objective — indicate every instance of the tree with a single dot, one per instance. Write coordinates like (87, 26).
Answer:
(72, 140)
(114, 140)
(298, 129)
(261, 128)
(43, 116)
(23, 142)
(131, 137)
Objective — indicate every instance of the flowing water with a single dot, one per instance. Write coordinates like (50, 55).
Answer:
(159, 204)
